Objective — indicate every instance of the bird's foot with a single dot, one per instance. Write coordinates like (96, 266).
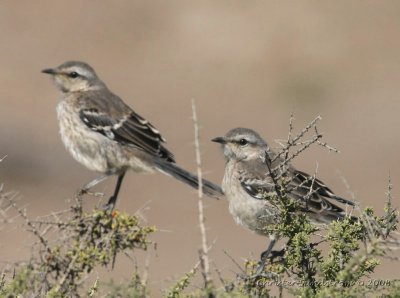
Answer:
(96, 194)
(261, 273)
(107, 207)
(110, 204)
(277, 253)
(267, 255)
(84, 191)
(81, 192)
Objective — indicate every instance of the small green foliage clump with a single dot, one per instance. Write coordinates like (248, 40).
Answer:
(135, 288)
(96, 239)
(84, 241)
(176, 290)
(344, 237)
(303, 269)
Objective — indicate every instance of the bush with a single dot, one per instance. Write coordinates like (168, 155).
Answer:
(71, 244)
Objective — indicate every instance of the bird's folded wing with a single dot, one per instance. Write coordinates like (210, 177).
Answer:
(256, 188)
(309, 182)
(311, 193)
(314, 195)
(128, 129)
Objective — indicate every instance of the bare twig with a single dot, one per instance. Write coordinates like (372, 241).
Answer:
(347, 186)
(205, 264)
(272, 174)
(29, 223)
(311, 191)
(289, 138)
(66, 274)
(297, 153)
(145, 275)
(285, 157)
(234, 262)
(390, 223)
(325, 144)
(293, 142)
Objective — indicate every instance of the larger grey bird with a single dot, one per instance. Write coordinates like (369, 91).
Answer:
(106, 135)
(248, 179)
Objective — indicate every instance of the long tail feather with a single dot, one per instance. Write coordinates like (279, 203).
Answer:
(210, 189)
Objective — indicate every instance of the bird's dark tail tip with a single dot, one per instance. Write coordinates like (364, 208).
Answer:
(209, 189)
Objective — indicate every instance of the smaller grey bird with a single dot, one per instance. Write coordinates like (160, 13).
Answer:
(247, 179)
(106, 135)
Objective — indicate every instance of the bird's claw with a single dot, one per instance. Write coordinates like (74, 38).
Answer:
(82, 191)
(110, 204)
(85, 191)
(96, 194)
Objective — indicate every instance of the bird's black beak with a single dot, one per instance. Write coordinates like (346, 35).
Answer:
(220, 140)
(50, 71)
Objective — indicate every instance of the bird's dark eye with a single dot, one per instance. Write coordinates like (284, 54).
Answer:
(243, 142)
(73, 75)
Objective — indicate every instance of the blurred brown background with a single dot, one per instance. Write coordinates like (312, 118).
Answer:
(246, 63)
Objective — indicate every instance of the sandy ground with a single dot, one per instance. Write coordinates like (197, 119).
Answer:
(245, 63)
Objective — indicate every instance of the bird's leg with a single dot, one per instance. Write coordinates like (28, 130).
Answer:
(113, 199)
(85, 189)
(264, 256)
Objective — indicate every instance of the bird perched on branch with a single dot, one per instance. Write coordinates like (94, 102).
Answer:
(252, 171)
(106, 135)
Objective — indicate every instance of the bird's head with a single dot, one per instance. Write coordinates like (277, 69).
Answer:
(242, 144)
(74, 76)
